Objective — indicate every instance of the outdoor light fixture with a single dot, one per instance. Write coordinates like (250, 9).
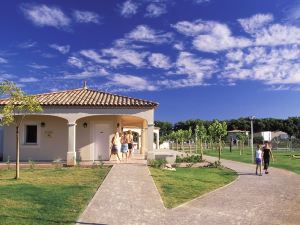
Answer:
(85, 124)
(43, 124)
(252, 147)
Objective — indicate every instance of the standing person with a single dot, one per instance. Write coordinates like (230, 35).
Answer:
(124, 145)
(258, 159)
(130, 143)
(267, 153)
(116, 145)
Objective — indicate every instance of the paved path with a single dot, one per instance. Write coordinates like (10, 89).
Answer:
(128, 196)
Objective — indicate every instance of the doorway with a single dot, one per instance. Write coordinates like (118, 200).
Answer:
(101, 141)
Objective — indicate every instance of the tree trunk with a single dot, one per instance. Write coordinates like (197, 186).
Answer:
(190, 147)
(220, 147)
(240, 147)
(17, 153)
(201, 150)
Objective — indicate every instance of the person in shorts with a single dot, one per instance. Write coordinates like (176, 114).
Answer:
(124, 145)
(130, 143)
(258, 159)
(267, 153)
(115, 146)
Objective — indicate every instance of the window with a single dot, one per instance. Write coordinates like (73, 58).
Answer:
(31, 134)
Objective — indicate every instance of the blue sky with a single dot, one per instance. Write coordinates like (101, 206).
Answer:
(201, 59)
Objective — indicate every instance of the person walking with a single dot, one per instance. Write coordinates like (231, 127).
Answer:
(267, 153)
(116, 146)
(130, 143)
(124, 145)
(258, 159)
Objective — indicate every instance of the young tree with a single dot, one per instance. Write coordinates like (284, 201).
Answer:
(201, 133)
(181, 137)
(188, 136)
(17, 106)
(218, 131)
(173, 136)
(242, 138)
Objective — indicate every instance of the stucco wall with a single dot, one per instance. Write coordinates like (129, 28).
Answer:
(85, 136)
(52, 140)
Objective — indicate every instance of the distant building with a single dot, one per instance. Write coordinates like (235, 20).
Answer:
(270, 135)
(233, 134)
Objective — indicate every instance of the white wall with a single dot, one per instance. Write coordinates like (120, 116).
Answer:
(52, 140)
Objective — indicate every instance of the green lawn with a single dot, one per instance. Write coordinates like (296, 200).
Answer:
(47, 196)
(188, 183)
(283, 159)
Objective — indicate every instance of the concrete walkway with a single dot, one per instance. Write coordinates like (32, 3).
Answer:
(129, 196)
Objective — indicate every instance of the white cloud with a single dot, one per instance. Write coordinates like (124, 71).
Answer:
(48, 55)
(179, 46)
(219, 38)
(86, 17)
(27, 44)
(2, 60)
(91, 54)
(278, 34)
(236, 55)
(255, 22)
(201, 1)
(37, 66)
(144, 33)
(88, 71)
(155, 10)
(270, 65)
(80, 75)
(28, 80)
(197, 69)
(6, 76)
(193, 28)
(129, 8)
(132, 82)
(63, 49)
(119, 56)
(43, 15)
(159, 60)
(76, 62)
(211, 36)
(193, 71)
(293, 12)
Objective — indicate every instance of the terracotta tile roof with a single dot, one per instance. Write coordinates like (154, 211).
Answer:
(88, 97)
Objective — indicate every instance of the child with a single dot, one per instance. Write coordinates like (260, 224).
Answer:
(258, 156)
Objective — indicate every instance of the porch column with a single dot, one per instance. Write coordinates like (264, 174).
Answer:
(143, 141)
(157, 140)
(150, 137)
(71, 154)
(140, 142)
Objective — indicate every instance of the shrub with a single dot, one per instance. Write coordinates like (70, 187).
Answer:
(157, 163)
(189, 159)
(216, 164)
(31, 164)
(8, 162)
(100, 161)
(57, 163)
